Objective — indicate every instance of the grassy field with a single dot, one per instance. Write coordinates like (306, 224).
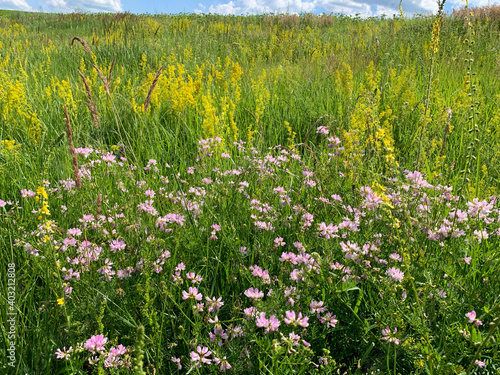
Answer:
(275, 194)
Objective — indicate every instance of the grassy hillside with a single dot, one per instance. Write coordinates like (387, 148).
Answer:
(262, 194)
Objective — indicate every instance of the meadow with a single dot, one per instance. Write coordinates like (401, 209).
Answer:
(271, 194)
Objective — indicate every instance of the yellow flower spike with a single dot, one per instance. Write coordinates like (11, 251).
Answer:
(58, 264)
(41, 191)
(47, 226)
(60, 301)
(44, 210)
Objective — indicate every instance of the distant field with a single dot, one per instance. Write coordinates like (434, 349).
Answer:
(277, 194)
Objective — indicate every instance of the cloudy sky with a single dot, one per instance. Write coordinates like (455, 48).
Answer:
(349, 7)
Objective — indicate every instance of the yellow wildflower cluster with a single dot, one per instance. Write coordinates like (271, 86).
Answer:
(232, 78)
(10, 148)
(178, 88)
(370, 130)
(44, 212)
(16, 115)
(262, 96)
(63, 90)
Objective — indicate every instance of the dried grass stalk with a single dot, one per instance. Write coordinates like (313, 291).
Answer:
(153, 85)
(69, 133)
(111, 69)
(84, 44)
(98, 203)
(90, 104)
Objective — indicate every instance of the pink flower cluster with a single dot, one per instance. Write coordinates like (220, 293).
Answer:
(472, 318)
(390, 336)
(271, 324)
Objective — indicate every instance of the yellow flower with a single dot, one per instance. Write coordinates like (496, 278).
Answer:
(41, 191)
(48, 226)
(60, 301)
(44, 210)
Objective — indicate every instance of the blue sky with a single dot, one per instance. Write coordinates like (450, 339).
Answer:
(349, 7)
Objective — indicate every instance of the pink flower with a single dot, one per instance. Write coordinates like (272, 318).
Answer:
(224, 364)
(108, 157)
(279, 242)
(85, 151)
(95, 343)
(201, 356)
(194, 278)
(396, 274)
(472, 318)
(254, 293)
(198, 308)
(480, 363)
(317, 307)
(471, 315)
(178, 361)
(63, 353)
(250, 312)
(180, 267)
(192, 294)
(214, 304)
(328, 231)
(27, 193)
(116, 245)
(288, 257)
(258, 272)
(218, 335)
(322, 130)
(296, 320)
(271, 324)
(395, 256)
(75, 232)
(390, 336)
(262, 225)
(329, 319)
(119, 350)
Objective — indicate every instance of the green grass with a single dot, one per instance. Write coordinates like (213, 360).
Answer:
(394, 252)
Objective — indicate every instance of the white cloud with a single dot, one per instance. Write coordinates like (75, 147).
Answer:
(364, 8)
(346, 7)
(263, 6)
(201, 9)
(57, 4)
(67, 6)
(15, 5)
(473, 3)
(381, 10)
(224, 9)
